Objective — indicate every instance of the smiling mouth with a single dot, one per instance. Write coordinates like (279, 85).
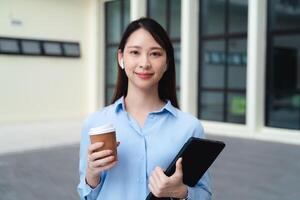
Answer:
(144, 75)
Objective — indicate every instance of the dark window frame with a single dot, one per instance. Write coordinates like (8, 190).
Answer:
(42, 52)
(226, 37)
(271, 33)
(31, 40)
(174, 40)
(111, 44)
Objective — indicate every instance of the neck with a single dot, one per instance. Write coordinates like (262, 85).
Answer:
(140, 100)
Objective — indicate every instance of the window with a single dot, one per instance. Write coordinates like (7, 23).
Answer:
(71, 49)
(9, 46)
(167, 13)
(52, 48)
(37, 47)
(117, 16)
(283, 64)
(223, 60)
(31, 47)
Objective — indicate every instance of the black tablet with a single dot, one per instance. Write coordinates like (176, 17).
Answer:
(197, 156)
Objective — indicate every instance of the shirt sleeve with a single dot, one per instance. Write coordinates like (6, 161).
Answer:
(202, 190)
(84, 190)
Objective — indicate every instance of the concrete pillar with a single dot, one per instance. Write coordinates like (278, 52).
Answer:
(189, 56)
(94, 73)
(137, 9)
(257, 26)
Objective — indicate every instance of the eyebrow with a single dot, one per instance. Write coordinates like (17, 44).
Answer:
(139, 47)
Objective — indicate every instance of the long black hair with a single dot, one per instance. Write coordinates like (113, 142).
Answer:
(167, 84)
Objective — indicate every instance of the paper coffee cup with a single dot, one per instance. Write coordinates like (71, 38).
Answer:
(107, 134)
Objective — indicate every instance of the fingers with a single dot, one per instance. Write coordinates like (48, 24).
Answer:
(153, 185)
(153, 188)
(103, 162)
(161, 185)
(178, 170)
(158, 182)
(95, 146)
(155, 179)
(100, 154)
(159, 173)
(107, 167)
(104, 168)
(99, 161)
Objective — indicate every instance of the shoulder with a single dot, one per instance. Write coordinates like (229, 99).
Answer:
(102, 116)
(187, 117)
(190, 122)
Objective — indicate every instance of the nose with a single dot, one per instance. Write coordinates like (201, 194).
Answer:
(145, 63)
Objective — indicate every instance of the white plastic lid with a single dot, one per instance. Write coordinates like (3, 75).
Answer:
(107, 128)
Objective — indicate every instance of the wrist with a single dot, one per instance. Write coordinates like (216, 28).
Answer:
(183, 192)
(92, 181)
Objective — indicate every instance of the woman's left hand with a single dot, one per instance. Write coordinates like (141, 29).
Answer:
(163, 186)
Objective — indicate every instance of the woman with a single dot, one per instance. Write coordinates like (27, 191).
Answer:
(149, 126)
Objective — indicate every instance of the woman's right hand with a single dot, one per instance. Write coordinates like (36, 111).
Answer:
(97, 162)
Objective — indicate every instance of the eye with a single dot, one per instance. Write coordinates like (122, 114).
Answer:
(134, 52)
(156, 53)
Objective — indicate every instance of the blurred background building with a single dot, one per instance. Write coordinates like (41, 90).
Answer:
(237, 61)
(238, 70)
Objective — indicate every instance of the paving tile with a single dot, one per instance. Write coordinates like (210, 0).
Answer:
(246, 170)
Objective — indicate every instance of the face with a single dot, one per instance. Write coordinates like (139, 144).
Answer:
(144, 60)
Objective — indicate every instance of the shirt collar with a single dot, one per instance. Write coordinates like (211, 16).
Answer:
(120, 104)
(170, 108)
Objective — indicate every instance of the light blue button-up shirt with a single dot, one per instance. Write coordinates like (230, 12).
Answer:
(141, 149)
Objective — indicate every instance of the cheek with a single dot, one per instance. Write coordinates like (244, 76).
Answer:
(164, 68)
(162, 72)
(129, 71)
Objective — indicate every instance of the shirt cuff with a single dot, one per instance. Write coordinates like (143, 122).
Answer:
(92, 193)
(195, 193)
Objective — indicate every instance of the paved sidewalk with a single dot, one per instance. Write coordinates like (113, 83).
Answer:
(40, 161)
(257, 170)
(246, 170)
(36, 135)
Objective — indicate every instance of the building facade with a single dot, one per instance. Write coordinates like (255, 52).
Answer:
(237, 61)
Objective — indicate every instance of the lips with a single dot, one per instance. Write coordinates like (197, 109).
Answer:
(144, 75)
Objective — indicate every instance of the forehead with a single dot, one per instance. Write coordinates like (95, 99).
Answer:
(142, 38)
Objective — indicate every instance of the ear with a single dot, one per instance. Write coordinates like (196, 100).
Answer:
(122, 63)
(166, 67)
(120, 59)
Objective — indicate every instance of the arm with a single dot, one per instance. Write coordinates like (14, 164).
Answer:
(202, 190)
(92, 167)
(162, 186)
(84, 190)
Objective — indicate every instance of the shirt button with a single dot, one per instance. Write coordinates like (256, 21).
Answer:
(151, 116)
(140, 180)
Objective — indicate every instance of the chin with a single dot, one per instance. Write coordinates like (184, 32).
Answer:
(145, 85)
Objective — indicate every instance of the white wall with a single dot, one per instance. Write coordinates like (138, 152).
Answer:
(43, 88)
